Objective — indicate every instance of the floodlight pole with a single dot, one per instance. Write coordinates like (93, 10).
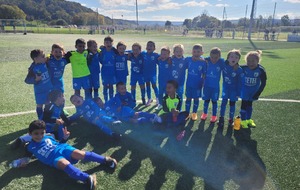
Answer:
(273, 16)
(251, 19)
(137, 14)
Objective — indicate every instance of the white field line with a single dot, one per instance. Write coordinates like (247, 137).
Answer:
(70, 107)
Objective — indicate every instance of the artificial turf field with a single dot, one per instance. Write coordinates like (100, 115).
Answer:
(149, 156)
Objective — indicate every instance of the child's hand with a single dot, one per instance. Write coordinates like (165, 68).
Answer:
(66, 133)
(59, 122)
(38, 78)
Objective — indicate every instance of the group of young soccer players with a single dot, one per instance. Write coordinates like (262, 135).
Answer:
(198, 76)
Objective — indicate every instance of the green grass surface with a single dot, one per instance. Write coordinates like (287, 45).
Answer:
(149, 156)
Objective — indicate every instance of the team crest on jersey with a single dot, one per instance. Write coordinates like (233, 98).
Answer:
(233, 74)
(256, 74)
(175, 74)
(180, 65)
(166, 65)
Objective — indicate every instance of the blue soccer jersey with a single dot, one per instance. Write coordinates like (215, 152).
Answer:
(56, 70)
(178, 70)
(121, 68)
(125, 99)
(93, 61)
(137, 65)
(232, 77)
(196, 72)
(150, 63)
(164, 72)
(213, 73)
(108, 63)
(253, 82)
(45, 84)
(89, 110)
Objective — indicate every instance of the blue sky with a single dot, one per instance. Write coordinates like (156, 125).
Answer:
(178, 10)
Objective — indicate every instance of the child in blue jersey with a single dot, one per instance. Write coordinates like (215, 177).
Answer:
(194, 82)
(80, 69)
(231, 85)
(38, 75)
(137, 68)
(56, 67)
(121, 107)
(108, 69)
(254, 81)
(150, 64)
(93, 61)
(179, 68)
(92, 113)
(164, 74)
(211, 89)
(121, 63)
(62, 156)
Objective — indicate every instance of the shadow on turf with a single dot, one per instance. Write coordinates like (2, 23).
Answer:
(204, 152)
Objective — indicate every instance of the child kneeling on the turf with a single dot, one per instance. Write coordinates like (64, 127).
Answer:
(122, 109)
(62, 156)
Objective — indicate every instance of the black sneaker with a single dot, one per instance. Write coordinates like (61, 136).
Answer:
(116, 136)
(92, 182)
(111, 163)
(221, 122)
(16, 144)
(144, 101)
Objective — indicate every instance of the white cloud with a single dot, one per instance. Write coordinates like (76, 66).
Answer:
(168, 5)
(292, 1)
(196, 4)
(222, 5)
(115, 3)
(166, 17)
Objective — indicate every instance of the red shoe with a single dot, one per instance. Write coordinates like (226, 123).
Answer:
(213, 119)
(203, 116)
(180, 135)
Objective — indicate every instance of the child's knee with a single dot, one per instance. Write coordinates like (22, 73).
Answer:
(62, 163)
(78, 154)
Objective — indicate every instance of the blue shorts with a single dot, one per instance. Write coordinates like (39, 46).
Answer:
(230, 94)
(126, 113)
(108, 79)
(192, 92)
(64, 152)
(59, 87)
(248, 94)
(42, 97)
(210, 93)
(150, 79)
(95, 80)
(121, 79)
(134, 79)
(82, 82)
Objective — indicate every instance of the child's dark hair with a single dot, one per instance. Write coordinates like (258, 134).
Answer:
(36, 125)
(120, 84)
(236, 52)
(151, 42)
(54, 94)
(198, 46)
(173, 83)
(35, 53)
(79, 41)
(166, 48)
(57, 46)
(215, 51)
(74, 95)
(137, 45)
(121, 44)
(91, 42)
(108, 38)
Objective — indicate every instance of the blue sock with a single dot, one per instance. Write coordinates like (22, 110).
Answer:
(143, 92)
(133, 94)
(223, 107)
(76, 173)
(87, 94)
(96, 92)
(107, 119)
(205, 107)
(249, 112)
(148, 89)
(196, 105)
(103, 127)
(142, 120)
(111, 91)
(146, 115)
(93, 157)
(188, 105)
(214, 108)
(155, 91)
(39, 112)
(243, 114)
(60, 133)
(105, 94)
(232, 110)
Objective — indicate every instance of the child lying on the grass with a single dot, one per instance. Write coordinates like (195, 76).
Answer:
(61, 156)
(91, 112)
(119, 107)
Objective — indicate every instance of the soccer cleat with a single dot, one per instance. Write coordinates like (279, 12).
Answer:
(143, 101)
(92, 182)
(158, 107)
(111, 163)
(189, 116)
(16, 144)
(149, 102)
(180, 135)
(213, 119)
(244, 124)
(157, 119)
(204, 116)
(230, 121)
(221, 122)
(116, 136)
(194, 116)
(251, 123)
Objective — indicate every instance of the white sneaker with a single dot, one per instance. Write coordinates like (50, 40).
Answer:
(149, 102)
(158, 107)
(157, 119)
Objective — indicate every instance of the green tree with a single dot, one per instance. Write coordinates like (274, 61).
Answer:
(168, 24)
(285, 20)
(187, 23)
(11, 12)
